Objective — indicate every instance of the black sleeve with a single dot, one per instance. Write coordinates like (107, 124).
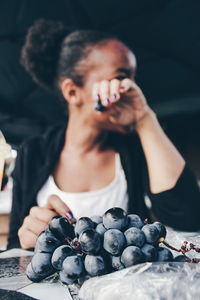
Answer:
(16, 211)
(178, 207)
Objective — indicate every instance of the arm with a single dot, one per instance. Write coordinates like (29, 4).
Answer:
(164, 162)
(24, 228)
(178, 207)
(170, 185)
(129, 107)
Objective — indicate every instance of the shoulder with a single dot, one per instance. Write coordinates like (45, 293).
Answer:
(36, 150)
(48, 137)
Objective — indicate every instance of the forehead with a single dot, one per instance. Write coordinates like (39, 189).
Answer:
(110, 56)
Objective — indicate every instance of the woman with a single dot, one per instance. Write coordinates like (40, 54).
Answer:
(102, 158)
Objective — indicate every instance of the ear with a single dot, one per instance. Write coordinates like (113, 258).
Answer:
(70, 92)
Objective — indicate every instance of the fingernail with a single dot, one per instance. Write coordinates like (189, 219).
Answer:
(106, 101)
(97, 97)
(69, 215)
(122, 88)
(114, 96)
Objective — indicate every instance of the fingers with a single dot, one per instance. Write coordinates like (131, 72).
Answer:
(95, 91)
(35, 225)
(127, 85)
(38, 219)
(43, 214)
(109, 91)
(104, 92)
(100, 91)
(27, 238)
(56, 204)
(36, 222)
(114, 90)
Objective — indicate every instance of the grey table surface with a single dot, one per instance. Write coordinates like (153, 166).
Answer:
(15, 285)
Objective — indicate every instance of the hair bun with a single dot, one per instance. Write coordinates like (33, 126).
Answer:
(41, 50)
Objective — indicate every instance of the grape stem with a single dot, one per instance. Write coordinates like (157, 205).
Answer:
(184, 249)
(193, 247)
(173, 248)
(74, 244)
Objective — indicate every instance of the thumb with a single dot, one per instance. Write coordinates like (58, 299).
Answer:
(56, 204)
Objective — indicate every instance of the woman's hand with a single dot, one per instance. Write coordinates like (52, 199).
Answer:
(38, 219)
(124, 100)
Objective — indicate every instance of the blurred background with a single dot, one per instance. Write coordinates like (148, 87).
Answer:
(164, 35)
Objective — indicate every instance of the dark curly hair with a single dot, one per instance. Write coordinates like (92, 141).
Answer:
(53, 51)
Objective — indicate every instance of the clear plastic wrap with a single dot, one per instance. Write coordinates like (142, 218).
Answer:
(150, 281)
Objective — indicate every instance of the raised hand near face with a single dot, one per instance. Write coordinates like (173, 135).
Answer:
(123, 99)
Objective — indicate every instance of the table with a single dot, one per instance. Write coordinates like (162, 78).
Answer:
(163, 280)
(12, 277)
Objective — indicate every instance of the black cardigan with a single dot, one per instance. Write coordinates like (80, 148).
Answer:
(178, 207)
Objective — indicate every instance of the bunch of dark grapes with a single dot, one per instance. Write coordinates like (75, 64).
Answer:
(96, 246)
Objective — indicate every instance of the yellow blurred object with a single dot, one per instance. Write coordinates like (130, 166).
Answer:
(5, 149)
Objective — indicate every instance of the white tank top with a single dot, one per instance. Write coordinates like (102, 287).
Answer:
(90, 203)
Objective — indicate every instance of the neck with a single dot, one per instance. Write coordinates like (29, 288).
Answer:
(82, 136)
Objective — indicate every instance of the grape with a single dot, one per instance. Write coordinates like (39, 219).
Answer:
(64, 278)
(134, 221)
(41, 264)
(164, 254)
(132, 255)
(182, 258)
(35, 277)
(47, 242)
(161, 228)
(116, 263)
(75, 245)
(151, 233)
(83, 224)
(61, 228)
(150, 252)
(73, 266)
(96, 246)
(94, 265)
(115, 218)
(114, 241)
(107, 259)
(134, 236)
(90, 241)
(59, 256)
(97, 219)
(101, 229)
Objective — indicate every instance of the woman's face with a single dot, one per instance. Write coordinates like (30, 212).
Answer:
(106, 62)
